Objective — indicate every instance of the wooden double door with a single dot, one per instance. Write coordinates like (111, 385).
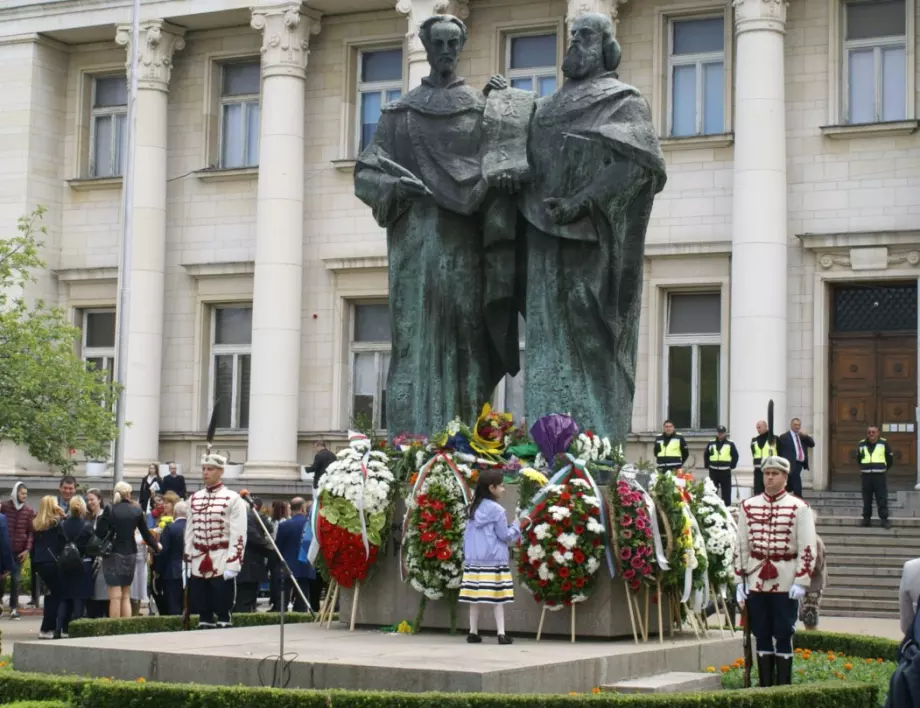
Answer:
(873, 381)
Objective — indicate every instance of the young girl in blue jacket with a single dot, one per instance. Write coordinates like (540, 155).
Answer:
(486, 571)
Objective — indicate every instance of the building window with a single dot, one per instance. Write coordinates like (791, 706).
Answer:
(231, 365)
(696, 71)
(239, 114)
(98, 343)
(693, 344)
(875, 67)
(530, 62)
(370, 362)
(379, 82)
(108, 149)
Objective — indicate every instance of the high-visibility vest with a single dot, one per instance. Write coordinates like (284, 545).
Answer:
(760, 453)
(874, 461)
(669, 454)
(720, 460)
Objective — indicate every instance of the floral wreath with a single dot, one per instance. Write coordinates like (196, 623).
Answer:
(717, 527)
(632, 532)
(670, 499)
(352, 514)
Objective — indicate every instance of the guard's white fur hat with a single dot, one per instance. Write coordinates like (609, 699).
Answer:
(213, 460)
(776, 463)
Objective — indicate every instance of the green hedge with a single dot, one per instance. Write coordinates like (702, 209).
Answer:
(849, 644)
(37, 704)
(100, 693)
(146, 625)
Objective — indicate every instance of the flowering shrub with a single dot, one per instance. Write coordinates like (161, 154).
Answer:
(718, 533)
(356, 498)
(434, 526)
(632, 533)
(561, 551)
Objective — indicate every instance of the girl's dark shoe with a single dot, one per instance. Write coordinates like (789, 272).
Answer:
(505, 639)
(473, 639)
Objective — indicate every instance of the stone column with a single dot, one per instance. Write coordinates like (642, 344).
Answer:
(759, 224)
(604, 7)
(416, 12)
(277, 287)
(158, 41)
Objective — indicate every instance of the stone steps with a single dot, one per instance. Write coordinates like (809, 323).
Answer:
(846, 606)
(852, 522)
(670, 682)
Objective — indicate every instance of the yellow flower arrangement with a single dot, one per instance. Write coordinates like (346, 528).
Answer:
(165, 521)
(489, 432)
(534, 476)
(404, 628)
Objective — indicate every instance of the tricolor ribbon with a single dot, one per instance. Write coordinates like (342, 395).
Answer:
(580, 469)
(701, 598)
(417, 488)
(688, 571)
(352, 438)
(313, 550)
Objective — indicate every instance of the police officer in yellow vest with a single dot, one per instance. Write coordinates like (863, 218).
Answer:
(721, 459)
(761, 449)
(671, 451)
(875, 459)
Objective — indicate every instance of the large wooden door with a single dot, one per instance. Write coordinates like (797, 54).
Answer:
(873, 382)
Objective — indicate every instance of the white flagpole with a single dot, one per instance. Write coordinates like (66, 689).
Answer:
(124, 269)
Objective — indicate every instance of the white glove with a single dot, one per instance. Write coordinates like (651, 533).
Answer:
(740, 594)
(230, 574)
(796, 592)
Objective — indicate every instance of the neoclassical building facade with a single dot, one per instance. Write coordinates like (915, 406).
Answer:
(781, 263)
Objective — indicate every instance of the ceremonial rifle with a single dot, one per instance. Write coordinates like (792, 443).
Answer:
(187, 566)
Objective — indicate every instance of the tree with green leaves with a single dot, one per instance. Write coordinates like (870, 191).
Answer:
(49, 402)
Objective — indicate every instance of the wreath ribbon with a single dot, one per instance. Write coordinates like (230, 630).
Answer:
(417, 488)
(701, 597)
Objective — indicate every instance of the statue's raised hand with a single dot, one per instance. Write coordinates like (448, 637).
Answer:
(497, 83)
(565, 211)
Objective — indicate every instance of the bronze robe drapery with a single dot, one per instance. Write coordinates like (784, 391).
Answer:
(443, 363)
(593, 141)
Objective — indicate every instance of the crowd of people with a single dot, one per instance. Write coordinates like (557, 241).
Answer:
(90, 558)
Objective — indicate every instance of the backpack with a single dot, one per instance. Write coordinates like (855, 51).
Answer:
(904, 688)
(70, 559)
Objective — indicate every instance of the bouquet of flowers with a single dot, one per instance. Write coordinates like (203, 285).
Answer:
(632, 533)
(405, 453)
(164, 522)
(490, 436)
(562, 550)
(718, 533)
(352, 514)
(531, 482)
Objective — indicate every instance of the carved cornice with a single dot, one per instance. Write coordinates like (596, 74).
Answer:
(417, 11)
(764, 15)
(286, 31)
(577, 8)
(158, 41)
(911, 258)
(828, 261)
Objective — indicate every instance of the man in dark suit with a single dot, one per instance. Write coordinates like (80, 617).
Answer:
(169, 560)
(321, 460)
(255, 565)
(793, 446)
(289, 536)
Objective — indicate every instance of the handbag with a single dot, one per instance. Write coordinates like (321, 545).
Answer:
(101, 547)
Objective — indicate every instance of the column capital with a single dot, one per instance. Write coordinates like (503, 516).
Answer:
(286, 29)
(158, 41)
(763, 15)
(577, 8)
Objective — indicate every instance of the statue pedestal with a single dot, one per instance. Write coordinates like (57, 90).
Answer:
(385, 600)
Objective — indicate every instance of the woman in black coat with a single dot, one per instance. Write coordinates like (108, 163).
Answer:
(150, 485)
(76, 586)
(118, 523)
(46, 548)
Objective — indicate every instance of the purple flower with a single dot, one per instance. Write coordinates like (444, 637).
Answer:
(553, 434)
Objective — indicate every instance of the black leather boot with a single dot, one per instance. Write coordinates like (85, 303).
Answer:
(765, 665)
(783, 670)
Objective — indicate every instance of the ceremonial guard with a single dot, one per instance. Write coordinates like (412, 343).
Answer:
(774, 561)
(215, 541)
(761, 447)
(671, 451)
(721, 459)
(875, 459)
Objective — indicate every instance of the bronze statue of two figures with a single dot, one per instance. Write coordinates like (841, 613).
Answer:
(498, 203)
